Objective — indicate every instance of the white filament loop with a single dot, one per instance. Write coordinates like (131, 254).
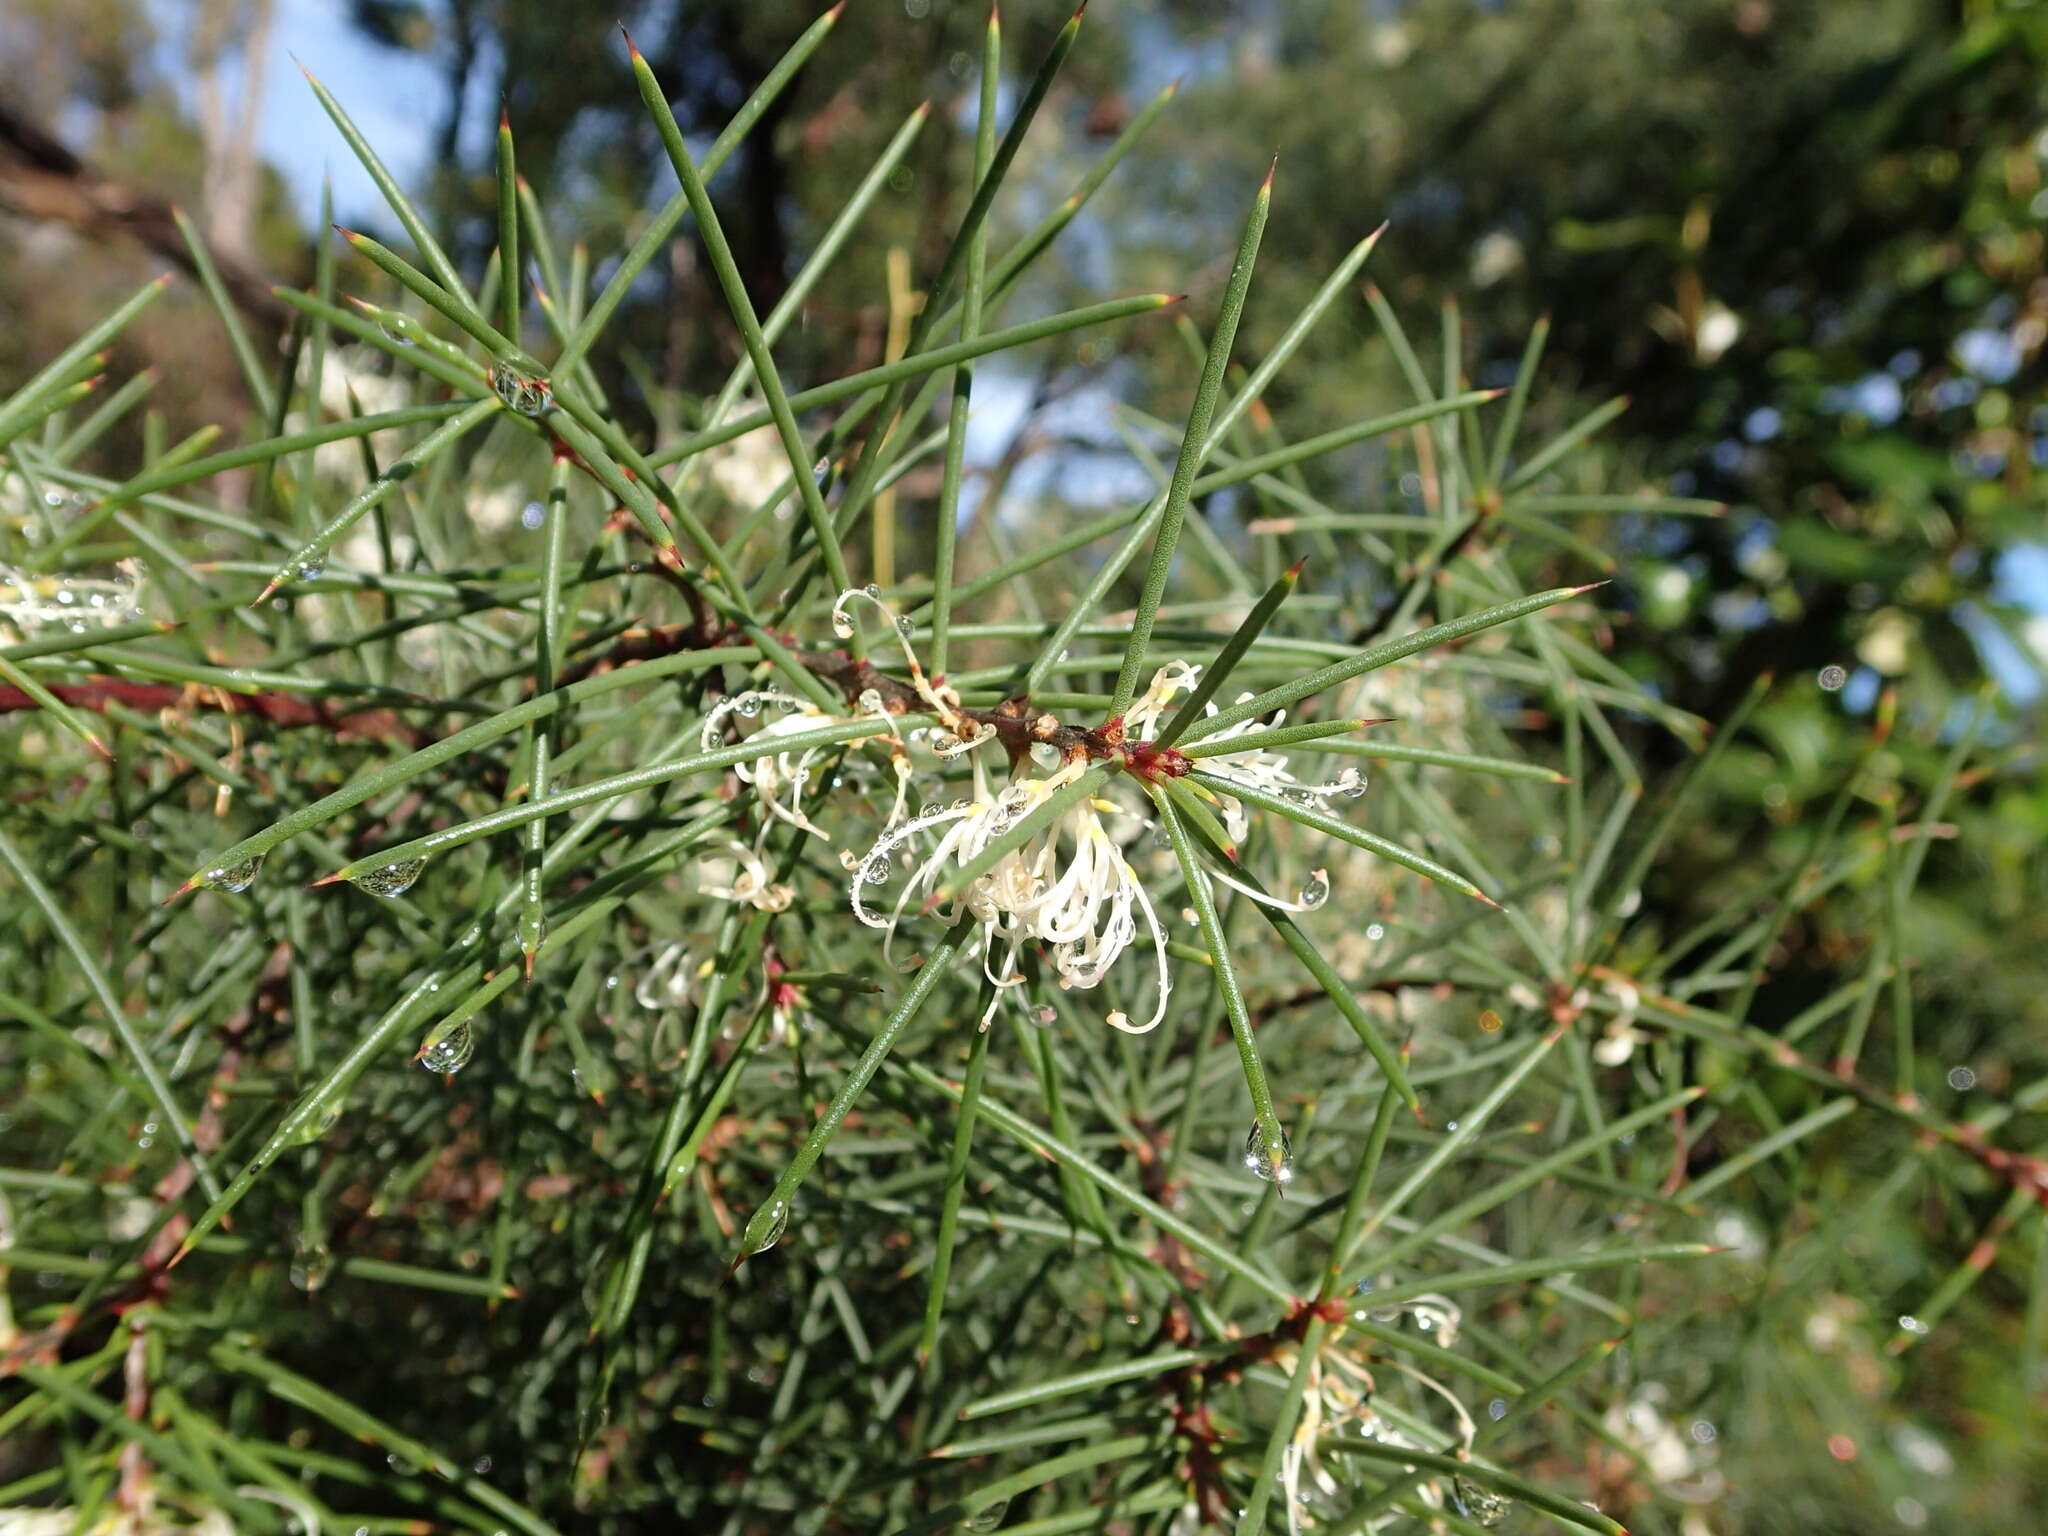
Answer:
(772, 772)
(944, 703)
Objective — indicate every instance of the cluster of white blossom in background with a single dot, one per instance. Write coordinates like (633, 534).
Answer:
(31, 602)
(74, 601)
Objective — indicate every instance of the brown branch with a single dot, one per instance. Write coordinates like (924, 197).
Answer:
(41, 179)
(280, 709)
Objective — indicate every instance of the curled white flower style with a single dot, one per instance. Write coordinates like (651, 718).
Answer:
(779, 779)
(1342, 1395)
(1072, 888)
(1255, 767)
(751, 882)
(669, 979)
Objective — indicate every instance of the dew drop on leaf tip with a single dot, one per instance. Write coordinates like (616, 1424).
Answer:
(1259, 1159)
(312, 1264)
(1481, 1505)
(451, 1052)
(391, 879)
(235, 878)
(521, 388)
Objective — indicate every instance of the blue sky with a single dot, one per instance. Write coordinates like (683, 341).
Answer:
(394, 97)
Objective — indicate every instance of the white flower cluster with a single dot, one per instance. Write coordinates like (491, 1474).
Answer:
(1072, 888)
(1343, 1397)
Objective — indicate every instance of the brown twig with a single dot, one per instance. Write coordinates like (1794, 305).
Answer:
(280, 709)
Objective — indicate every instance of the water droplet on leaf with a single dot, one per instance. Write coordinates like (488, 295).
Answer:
(988, 1517)
(234, 878)
(1259, 1159)
(521, 388)
(533, 930)
(772, 1222)
(315, 1126)
(391, 879)
(1481, 1505)
(312, 1264)
(451, 1052)
(1316, 890)
(402, 329)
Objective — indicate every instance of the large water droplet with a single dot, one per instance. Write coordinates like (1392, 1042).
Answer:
(905, 628)
(392, 879)
(234, 878)
(1481, 1505)
(988, 1517)
(748, 704)
(1832, 678)
(1258, 1156)
(312, 1264)
(1316, 890)
(533, 517)
(308, 570)
(842, 626)
(1350, 784)
(770, 1233)
(522, 388)
(451, 1052)
(873, 591)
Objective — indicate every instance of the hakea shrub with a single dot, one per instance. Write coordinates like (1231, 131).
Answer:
(865, 1019)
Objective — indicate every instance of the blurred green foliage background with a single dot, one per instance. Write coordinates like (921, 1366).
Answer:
(1803, 237)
